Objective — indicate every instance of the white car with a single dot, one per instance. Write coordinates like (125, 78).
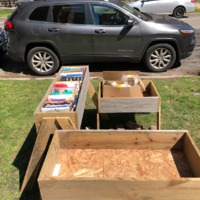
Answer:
(177, 8)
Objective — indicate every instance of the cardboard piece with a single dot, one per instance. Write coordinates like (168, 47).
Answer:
(110, 77)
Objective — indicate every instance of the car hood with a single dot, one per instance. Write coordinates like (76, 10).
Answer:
(165, 19)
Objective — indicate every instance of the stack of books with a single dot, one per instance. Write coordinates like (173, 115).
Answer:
(72, 74)
(64, 93)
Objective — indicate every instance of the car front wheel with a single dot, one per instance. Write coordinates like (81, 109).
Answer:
(42, 61)
(179, 12)
(159, 57)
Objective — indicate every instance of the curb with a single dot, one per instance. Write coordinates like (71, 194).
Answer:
(100, 77)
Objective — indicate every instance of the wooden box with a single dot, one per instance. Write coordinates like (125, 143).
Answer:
(121, 165)
(149, 103)
(75, 116)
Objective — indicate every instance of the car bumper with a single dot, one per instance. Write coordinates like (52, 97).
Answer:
(15, 55)
(190, 8)
(3, 47)
(188, 48)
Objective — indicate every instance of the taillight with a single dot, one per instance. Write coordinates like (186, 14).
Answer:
(193, 1)
(8, 25)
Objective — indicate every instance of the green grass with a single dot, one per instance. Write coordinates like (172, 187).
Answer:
(197, 10)
(4, 13)
(180, 110)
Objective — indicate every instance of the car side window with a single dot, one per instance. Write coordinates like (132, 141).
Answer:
(39, 14)
(73, 14)
(107, 15)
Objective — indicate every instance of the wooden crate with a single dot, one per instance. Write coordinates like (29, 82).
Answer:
(75, 116)
(121, 165)
(151, 102)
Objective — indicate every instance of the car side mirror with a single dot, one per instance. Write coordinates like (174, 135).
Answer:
(131, 22)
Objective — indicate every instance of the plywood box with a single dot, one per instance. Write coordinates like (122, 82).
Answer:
(76, 115)
(150, 102)
(121, 165)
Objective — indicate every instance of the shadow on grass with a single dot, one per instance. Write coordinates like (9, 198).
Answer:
(21, 163)
(109, 121)
(89, 119)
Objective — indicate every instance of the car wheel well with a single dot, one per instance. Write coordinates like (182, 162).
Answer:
(33, 45)
(136, 8)
(173, 44)
(180, 7)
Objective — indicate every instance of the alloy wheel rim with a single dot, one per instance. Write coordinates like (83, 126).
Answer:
(42, 61)
(160, 58)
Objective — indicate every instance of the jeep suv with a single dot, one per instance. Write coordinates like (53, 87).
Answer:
(47, 34)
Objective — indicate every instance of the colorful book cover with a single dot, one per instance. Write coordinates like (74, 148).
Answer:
(74, 69)
(58, 109)
(61, 97)
(65, 84)
(59, 101)
(61, 92)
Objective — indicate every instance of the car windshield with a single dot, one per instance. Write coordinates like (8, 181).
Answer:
(133, 11)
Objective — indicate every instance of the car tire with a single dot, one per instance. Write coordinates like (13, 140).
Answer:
(179, 12)
(159, 57)
(42, 61)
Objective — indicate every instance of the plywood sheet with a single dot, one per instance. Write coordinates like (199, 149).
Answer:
(122, 164)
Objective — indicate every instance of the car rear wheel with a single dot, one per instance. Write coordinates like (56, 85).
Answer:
(42, 61)
(179, 12)
(159, 57)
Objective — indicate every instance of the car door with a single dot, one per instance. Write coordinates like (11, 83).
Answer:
(70, 32)
(112, 37)
(167, 6)
(149, 6)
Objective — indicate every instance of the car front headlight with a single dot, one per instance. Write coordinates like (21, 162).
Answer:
(186, 32)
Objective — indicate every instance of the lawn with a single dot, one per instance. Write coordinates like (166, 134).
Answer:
(180, 110)
(4, 13)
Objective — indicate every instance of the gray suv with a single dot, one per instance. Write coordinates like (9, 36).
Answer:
(48, 34)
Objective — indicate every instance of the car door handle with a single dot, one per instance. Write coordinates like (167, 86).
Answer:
(53, 29)
(100, 31)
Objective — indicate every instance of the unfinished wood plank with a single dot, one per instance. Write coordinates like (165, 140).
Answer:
(159, 115)
(192, 154)
(153, 89)
(98, 121)
(103, 116)
(128, 105)
(120, 190)
(82, 98)
(64, 123)
(120, 139)
(48, 126)
(40, 115)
